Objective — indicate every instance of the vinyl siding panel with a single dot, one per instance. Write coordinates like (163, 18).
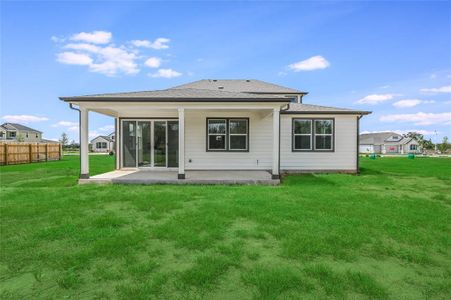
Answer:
(344, 158)
(260, 142)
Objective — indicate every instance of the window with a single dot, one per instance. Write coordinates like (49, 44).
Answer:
(413, 147)
(12, 134)
(228, 134)
(313, 135)
(302, 134)
(26, 134)
(37, 135)
(101, 145)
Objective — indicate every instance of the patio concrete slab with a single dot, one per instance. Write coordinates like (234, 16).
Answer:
(192, 177)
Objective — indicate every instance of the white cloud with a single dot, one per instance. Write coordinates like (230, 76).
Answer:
(107, 60)
(411, 103)
(23, 118)
(420, 118)
(313, 63)
(65, 124)
(73, 128)
(384, 86)
(166, 73)
(95, 37)
(72, 58)
(108, 128)
(153, 62)
(375, 99)
(443, 89)
(158, 44)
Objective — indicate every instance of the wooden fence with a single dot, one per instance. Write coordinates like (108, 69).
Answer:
(22, 153)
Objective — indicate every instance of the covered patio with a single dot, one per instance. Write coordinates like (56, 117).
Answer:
(142, 176)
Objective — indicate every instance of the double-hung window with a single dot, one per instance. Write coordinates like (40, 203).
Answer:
(313, 135)
(228, 134)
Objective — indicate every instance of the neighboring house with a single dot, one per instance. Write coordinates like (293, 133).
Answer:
(225, 125)
(387, 143)
(103, 143)
(18, 132)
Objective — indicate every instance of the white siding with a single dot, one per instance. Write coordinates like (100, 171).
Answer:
(100, 139)
(344, 158)
(260, 142)
(366, 149)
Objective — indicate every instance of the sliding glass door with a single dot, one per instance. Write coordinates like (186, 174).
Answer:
(149, 143)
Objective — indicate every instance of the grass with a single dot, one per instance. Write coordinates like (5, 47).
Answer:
(384, 234)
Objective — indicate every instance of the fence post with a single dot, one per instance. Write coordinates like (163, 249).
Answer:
(46, 152)
(6, 153)
(30, 149)
(61, 151)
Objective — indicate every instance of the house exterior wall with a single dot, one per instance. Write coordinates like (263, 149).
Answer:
(366, 149)
(259, 155)
(407, 147)
(343, 158)
(110, 145)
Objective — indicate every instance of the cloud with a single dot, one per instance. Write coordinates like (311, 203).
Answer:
(153, 62)
(443, 89)
(158, 44)
(73, 128)
(106, 128)
(420, 118)
(23, 118)
(375, 99)
(95, 37)
(411, 103)
(107, 60)
(313, 63)
(166, 73)
(72, 58)
(65, 124)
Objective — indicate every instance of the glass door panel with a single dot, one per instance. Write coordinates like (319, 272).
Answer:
(173, 144)
(144, 146)
(129, 143)
(160, 143)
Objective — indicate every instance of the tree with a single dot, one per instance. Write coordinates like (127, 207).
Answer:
(418, 137)
(20, 138)
(443, 147)
(64, 140)
(428, 144)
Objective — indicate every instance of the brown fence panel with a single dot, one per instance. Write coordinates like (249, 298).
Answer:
(22, 153)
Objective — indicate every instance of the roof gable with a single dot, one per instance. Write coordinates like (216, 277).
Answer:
(20, 127)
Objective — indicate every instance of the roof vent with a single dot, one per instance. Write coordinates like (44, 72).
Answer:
(220, 87)
(247, 80)
(214, 80)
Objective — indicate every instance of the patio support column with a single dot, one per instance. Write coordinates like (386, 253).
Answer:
(275, 146)
(116, 142)
(84, 144)
(181, 174)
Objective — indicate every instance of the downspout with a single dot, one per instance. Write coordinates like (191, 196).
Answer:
(71, 106)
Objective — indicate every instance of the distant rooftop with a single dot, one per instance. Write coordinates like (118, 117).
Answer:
(317, 109)
(16, 126)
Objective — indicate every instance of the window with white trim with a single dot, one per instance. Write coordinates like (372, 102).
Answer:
(413, 147)
(228, 134)
(101, 145)
(313, 135)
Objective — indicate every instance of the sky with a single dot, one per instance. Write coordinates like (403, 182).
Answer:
(392, 58)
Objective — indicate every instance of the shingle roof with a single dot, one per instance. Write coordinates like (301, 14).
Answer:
(302, 108)
(179, 94)
(376, 138)
(107, 138)
(15, 126)
(239, 86)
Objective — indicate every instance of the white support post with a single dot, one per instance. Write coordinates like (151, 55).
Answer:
(275, 148)
(181, 174)
(117, 143)
(84, 143)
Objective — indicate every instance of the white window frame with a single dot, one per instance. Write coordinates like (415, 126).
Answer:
(216, 134)
(331, 134)
(415, 146)
(303, 134)
(246, 134)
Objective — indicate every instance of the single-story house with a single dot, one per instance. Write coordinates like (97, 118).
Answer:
(387, 143)
(224, 125)
(14, 132)
(103, 143)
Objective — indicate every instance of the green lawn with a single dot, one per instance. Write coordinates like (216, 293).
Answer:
(383, 234)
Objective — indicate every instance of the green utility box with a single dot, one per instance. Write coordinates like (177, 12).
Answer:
(373, 156)
(411, 156)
